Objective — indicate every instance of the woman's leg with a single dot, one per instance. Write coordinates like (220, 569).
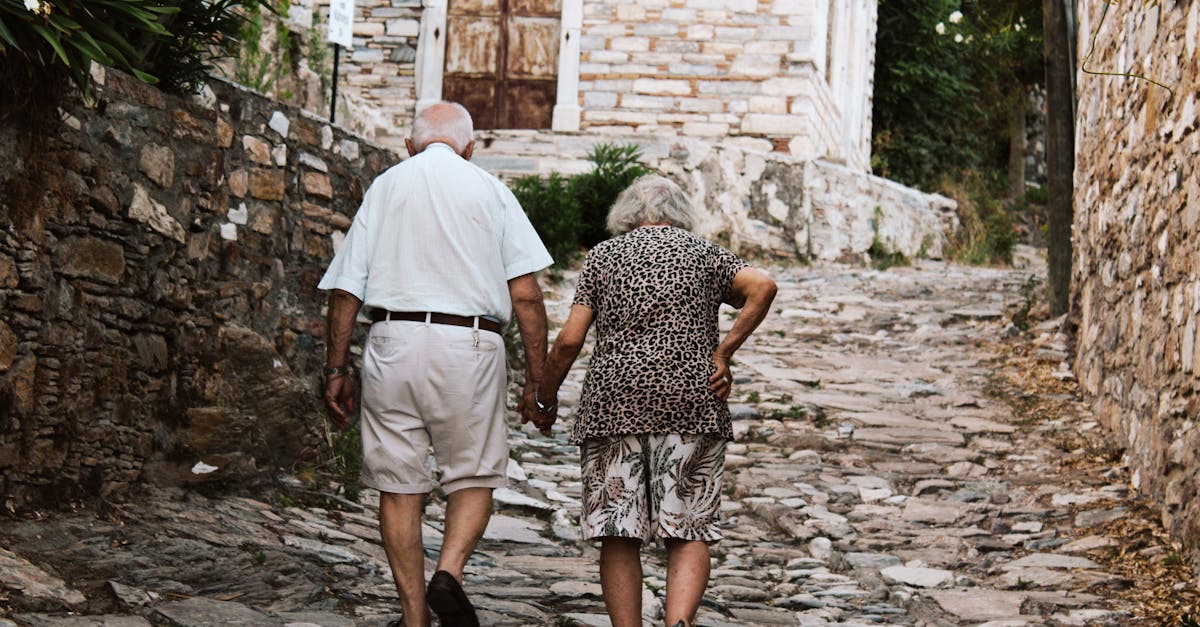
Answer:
(621, 580)
(687, 577)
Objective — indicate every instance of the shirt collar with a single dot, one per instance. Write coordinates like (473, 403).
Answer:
(441, 145)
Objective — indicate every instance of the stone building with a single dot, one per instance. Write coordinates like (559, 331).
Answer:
(1136, 287)
(760, 108)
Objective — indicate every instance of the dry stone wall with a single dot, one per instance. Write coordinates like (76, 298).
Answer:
(752, 198)
(1136, 289)
(158, 267)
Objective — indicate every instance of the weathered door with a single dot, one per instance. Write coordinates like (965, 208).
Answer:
(502, 60)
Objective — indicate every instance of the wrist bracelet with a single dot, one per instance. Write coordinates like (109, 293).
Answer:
(333, 371)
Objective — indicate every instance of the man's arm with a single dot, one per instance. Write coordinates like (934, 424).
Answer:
(339, 388)
(530, 312)
(757, 291)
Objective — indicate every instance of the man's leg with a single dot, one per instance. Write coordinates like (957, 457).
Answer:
(467, 513)
(687, 577)
(400, 526)
(621, 580)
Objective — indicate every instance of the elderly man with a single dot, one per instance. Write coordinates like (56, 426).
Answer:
(441, 253)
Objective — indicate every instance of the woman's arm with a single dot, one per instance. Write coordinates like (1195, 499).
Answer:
(566, 348)
(756, 290)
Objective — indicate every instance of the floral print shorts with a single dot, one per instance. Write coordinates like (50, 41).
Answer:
(644, 486)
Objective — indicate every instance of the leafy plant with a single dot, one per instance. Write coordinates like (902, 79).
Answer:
(617, 166)
(554, 212)
(571, 212)
(46, 46)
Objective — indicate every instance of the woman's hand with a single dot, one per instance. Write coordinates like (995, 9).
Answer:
(721, 381)
(541, 410)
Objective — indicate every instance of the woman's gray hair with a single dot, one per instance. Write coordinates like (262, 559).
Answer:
(651, 199)
(443, 120)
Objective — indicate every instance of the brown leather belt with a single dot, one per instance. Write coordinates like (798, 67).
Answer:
(379, 315)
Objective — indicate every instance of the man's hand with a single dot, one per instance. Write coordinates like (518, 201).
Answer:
(339, 399)
(721, 381)
(528, 407)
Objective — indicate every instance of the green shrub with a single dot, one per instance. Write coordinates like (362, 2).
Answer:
(616, 168)
(46, 45)
(570, 213)
(554, 212)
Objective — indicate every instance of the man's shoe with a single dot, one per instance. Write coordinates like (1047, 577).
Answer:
(447, 599)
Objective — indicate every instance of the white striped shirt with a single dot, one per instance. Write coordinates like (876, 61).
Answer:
(437, 233)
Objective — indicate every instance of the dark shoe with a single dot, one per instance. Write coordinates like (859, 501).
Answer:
(447, 599)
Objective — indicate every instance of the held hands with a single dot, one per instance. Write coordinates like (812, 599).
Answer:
(721, 381)
(542, 412)
(339, 398)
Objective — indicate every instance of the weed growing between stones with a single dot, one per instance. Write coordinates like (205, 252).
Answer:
(882, 257)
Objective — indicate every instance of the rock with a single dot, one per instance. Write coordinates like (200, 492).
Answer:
(8, 347)
(503, 528)
(820, 548)
(1094, 517)
(155, 215)
(979, 604)
(324, 552)
(267, 184)
(158, 164)
(90, 258)
(198, 611)
(1051, 560)
(510, 497)
(935, 512)
(33, 587)
(279, 123)
(917, 576)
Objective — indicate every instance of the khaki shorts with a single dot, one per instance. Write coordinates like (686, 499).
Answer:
(646, 486)
(433, 385)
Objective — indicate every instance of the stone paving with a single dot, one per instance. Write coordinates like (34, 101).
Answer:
(873, 480)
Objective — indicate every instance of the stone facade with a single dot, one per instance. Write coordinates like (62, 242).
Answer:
(1136, 289)
(158, 267)
(684, 68)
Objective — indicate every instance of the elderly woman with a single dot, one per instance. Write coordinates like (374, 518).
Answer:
(653, 421)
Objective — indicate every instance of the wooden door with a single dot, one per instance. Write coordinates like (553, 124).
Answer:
(502, 60)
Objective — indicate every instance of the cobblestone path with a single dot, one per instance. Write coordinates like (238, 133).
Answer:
(873, 480)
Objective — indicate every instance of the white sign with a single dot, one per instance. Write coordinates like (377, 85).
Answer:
(341, 23)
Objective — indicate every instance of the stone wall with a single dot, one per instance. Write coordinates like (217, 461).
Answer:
(716, 69)
(158, 267)
(1136, 289)
(752, 198)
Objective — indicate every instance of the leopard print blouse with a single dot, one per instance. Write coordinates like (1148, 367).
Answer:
(655, 292)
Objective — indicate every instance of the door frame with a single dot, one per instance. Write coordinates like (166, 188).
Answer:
(431, 61)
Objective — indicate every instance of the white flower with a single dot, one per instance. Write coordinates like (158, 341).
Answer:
(940, 28)
(956, 17)
(1017, 27)
(958, 38)
(33, 6)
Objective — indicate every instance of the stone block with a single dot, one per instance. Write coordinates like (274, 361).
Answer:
(224, 133)
(757, 65)
(593, 100)
(735, 33)
(188, 126)
(239, 183)
(267, 184)
(256, 149)
(629, 13)
(655, 103)
(656, 29)
(606, 56)
(317, 184)
(685, 16)
(90, 258)
(662, 86)
(784, 86)
(403, 28)
(768, 104)
(154, 214)
(703, 32)
(705, 129)
(629, 44)
(9, 276)
(768, 124)
(8, 347)
(363, 28)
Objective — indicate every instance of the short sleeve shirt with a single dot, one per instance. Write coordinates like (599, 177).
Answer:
(655, 292)
(437, 233)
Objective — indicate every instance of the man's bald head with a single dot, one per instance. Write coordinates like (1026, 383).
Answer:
(445, 121)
